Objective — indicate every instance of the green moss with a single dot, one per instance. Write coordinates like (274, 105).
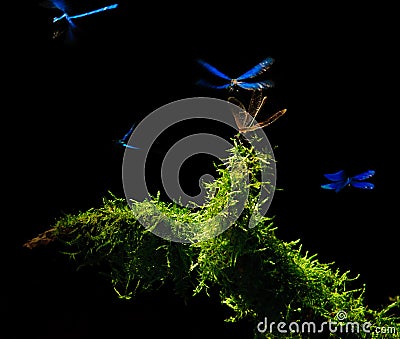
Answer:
(257, 275)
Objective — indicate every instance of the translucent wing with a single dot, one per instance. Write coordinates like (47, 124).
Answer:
(364, 175)
(237, 102)
(213, 70)
(256, 85)
(256, 102)
(337, 176)
(362, 184)
(239, 114)
(336, 186)
(258, 69)
(239, 118)
(264, 123)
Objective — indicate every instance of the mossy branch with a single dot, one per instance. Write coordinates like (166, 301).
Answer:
(257, 274)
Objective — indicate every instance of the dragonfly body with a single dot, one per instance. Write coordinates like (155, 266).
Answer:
(62, 6)
(69, 17)
(339, 180)
(241, 81)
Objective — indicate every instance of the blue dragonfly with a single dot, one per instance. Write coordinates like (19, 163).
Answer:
(340, 180)
(62, 6)
(240, 81)
(124, 140)
(246, 119)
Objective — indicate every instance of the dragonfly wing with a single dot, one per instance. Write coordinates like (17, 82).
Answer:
(213, 70)
(337, 176)
(123, 141)
(124, 144)
(257, 69)
(256, 102)
(127, 135)
(257, 109)
(266, 122)
(59, 4)
(236, 102)
(255, 85)
(242, 117)
(331, 186)
(364, 175)
(336, 186)
(70, 34)
(239, 113)
(362, 184)
(239, 117)
(48, 4)
(131, 147)
(207, 84)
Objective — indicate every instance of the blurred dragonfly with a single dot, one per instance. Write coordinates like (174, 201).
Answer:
(123, 141)
(340, 180)
(246, 119)
(240, 81)
(63, 7)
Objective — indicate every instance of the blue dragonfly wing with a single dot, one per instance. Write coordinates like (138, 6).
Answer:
(364, 175)
(59, 4)
(213, 70)
(337, 186)
(124, 144)
(123, 140)
(126, 136)
(130, 146)
(70, 34)
(207, 84)
(256, 85)
(337, 176)
(330, 186)
(362, 185)
(257, 69)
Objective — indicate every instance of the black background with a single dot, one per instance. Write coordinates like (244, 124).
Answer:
(334, 72)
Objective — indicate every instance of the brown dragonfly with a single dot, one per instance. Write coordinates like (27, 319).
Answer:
(246, 118)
